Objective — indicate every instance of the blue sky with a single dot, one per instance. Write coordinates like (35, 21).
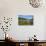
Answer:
(26, 16)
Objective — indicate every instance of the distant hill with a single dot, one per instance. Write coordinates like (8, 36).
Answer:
(23, 18)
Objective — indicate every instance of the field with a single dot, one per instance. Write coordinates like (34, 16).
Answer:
(24, 21)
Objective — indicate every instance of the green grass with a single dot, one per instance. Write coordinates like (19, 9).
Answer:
(25, 23)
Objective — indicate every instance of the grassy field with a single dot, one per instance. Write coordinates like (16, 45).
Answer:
(23, 21)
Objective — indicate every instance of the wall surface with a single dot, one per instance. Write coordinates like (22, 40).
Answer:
(13, 8)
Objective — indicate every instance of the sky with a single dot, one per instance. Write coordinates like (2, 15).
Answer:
(26, 16)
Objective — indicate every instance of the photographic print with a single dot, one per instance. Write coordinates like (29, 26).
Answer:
(25, 20)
